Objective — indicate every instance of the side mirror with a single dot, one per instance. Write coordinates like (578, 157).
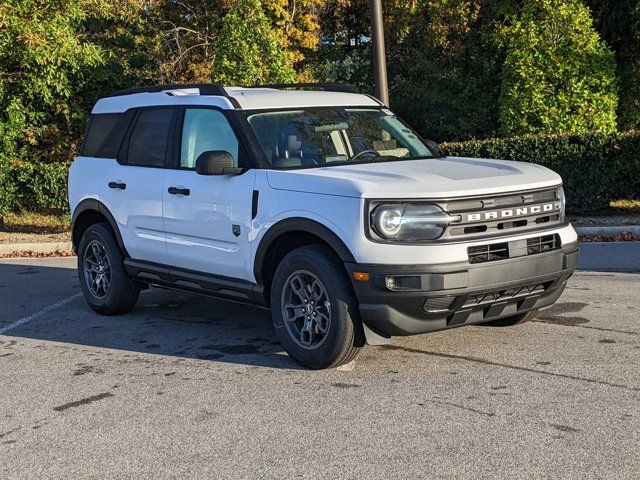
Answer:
(433, 146)
(216, 162)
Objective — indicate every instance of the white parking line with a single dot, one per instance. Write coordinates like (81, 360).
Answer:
(33, 316)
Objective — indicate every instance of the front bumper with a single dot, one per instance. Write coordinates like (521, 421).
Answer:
(451, 295)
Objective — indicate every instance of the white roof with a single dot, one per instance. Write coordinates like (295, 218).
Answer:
(263, 98)
(247, 98)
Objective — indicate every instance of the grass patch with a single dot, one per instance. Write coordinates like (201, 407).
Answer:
(626, 205)
(30, 222)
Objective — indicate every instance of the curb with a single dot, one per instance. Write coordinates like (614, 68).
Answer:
(41, 247)
(609, 231)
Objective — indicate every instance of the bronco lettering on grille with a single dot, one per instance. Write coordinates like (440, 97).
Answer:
(512, 212)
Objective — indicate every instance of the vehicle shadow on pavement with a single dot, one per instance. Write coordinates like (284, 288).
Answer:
(164, 322)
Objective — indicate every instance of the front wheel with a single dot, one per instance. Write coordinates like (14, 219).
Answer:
(513, 320)
(103, 279)
(314, 310)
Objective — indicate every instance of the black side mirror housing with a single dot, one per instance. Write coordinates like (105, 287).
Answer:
(216, 162)
(434, 147)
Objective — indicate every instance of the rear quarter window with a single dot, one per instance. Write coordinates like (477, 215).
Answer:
(105, 134)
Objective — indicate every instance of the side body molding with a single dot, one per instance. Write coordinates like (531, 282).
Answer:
(296, 225)
(89, 204)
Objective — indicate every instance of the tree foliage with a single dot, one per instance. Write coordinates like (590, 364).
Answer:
(558, 75)
(458, 69)
(43, 61)
(619, 25)
(232, 41)
(445, 67)
(248, 50)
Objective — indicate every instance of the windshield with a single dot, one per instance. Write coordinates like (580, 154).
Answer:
(334, 136)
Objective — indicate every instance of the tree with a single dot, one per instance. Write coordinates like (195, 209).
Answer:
(297, 25)
(442, 59)
(619, 25)
(444, 65)
(56, 58)
(248, 50)
(41, 58)
(227, 41)
(558, 75)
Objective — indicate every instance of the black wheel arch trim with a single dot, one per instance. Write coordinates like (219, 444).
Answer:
(96, 205)
(297, 224)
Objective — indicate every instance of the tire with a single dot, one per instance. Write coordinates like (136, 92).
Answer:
(121, 294)
(303, 339)
(513, 320)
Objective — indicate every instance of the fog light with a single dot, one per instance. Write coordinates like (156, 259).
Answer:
(403, 282)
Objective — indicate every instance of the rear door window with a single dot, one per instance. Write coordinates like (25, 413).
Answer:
(149, 141)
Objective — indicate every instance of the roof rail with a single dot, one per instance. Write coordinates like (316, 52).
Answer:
(327, 86)
(205, 89)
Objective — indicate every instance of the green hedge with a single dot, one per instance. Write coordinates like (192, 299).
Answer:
(33, 186)
(595, 168)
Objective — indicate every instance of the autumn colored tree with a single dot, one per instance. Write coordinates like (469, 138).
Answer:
(248, 50)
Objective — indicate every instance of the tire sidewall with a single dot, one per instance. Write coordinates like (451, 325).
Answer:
(344, 315)
(119, 279)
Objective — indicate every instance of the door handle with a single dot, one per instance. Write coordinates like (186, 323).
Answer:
(118, 185)
(178, 191)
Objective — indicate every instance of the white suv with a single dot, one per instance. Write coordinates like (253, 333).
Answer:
(322, 205)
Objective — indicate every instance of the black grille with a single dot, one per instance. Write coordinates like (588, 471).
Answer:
(488, 253)
(490, 297)
(543, 244)
(501, 251)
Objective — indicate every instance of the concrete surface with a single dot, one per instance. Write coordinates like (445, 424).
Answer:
(191, 387)
(39, 247)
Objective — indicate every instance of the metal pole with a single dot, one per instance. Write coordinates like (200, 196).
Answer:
(379, 56)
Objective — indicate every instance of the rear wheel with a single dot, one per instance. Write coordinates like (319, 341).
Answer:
(314, 309)
(103, 278)
(513, 320)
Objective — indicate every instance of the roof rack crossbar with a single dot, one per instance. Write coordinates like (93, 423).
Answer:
(205, 89)
(327, 86)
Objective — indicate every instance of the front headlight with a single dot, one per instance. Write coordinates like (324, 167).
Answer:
(410, 222)
(563, 203)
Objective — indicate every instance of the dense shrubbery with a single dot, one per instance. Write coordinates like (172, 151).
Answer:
(34, 186)
(596, 169)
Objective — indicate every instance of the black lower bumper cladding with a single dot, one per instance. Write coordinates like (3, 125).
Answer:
(407, 300)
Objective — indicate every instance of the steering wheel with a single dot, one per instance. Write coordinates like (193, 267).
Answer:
(364, 152)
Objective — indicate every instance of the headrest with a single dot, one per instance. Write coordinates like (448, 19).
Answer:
(293, 143)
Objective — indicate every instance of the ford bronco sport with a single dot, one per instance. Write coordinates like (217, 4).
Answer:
(322, 205)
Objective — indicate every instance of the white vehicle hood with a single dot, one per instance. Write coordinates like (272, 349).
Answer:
(427, 178)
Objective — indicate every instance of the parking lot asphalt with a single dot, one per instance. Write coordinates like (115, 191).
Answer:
(192, 387)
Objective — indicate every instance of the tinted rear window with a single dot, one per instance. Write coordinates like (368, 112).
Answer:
(105, 135)
(150, 136)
